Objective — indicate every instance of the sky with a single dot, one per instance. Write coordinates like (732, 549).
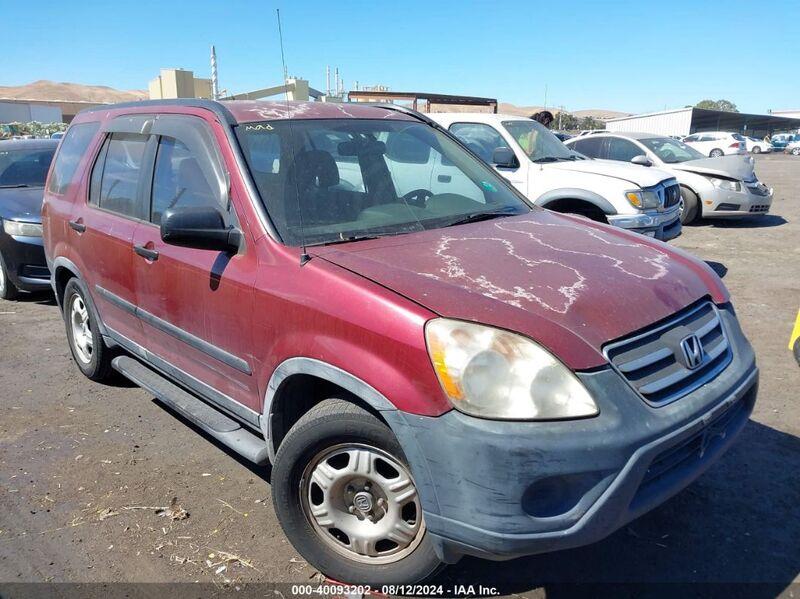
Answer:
(636, 56)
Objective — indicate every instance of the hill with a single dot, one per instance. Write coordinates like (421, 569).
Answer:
(53, 91)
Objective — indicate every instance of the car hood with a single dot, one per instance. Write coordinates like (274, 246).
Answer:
(736, 167)
(21, 203)
(631, 173)
(570, 284)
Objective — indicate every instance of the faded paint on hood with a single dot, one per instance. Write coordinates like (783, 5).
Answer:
(734, 167)
(632, 173)
(566, 283)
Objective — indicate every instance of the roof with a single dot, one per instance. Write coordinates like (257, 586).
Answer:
(644, 114)
(485, 117)
(248, 111)
(27, 144)
(631, 134)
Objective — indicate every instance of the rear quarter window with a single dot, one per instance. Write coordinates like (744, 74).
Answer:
(73, 147)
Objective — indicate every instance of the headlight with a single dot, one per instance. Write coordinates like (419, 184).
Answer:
(13, 227)
(726, 184)
(493, 373)
(643, 199)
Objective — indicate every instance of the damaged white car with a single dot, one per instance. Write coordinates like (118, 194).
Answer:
(723, 187)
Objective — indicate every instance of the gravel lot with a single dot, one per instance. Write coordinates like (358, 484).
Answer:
(84, 467)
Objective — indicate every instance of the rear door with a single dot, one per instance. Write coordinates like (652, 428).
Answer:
(196, 305)
(104, 226)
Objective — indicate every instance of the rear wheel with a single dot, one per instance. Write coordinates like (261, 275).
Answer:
(8, 291)
(795, 151)
(756, 149)
(716, 153)
(690, 206)
(347, 501)
(86, 343)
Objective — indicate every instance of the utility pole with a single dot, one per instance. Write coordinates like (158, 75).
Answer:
(545, 96)
(328, 80)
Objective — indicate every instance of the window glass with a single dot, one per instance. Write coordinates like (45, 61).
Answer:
(120, 179)
(537, 141)
(25, 167)
(692, 138)
(397, 192)
(589, 146)
(622, 149)
(480, 138)
(178, 180)
(671, 150)
(73, 147)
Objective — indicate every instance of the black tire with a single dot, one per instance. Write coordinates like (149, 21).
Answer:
(328, 424)
(98, 366)
(8, 291)
(716, 153)
(691, 206)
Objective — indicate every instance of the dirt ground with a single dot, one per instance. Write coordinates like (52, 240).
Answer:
(88, 472)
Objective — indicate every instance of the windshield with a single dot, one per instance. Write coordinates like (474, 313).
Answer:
(538, 142)
(326, 181)
(25, 168)
(671, 150)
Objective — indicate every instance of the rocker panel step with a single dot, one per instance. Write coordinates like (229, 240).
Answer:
(223, 428)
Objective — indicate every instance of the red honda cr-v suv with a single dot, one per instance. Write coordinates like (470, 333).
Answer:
(433, 366)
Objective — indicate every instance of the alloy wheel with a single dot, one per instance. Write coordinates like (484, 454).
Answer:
(82, 340)
(362, 503)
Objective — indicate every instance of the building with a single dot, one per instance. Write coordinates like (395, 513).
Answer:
(25, 111)
(791, 114)
(685, 121)
(178, 83)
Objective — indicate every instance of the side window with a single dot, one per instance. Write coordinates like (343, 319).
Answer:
(402, 147)
(622, 149)
(480, 138)
(691, 138)
(178, 181)
(590, 146)
(71, 150)
(116, 187)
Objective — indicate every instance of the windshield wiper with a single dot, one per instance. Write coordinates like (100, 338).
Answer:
(14, 186)
(479, 216)
(547, 159)
(349, 239)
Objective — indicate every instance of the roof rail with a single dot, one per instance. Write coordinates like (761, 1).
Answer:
(220, 110)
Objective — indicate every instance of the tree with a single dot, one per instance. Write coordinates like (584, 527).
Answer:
(725, 105)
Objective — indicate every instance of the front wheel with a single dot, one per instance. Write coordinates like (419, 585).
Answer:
(347, 501)
(690, 206)
(8, 291)
(716, 153)
(757, 150)
(86, 343)
(795, 151)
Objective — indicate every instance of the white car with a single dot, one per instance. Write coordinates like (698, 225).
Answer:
(757, 146)
(793, 148)
(723, 187)
(552, 176)
(717, 143)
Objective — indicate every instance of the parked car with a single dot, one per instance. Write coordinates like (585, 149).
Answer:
(23, 168)
(717, 143)
(779, 141)
(430, 373)
(554, 177)
(562, 136)
(57, 135)
(793, 147)
(757, 146)
(725, 187)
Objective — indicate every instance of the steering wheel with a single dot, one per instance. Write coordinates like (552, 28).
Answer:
(418, 197)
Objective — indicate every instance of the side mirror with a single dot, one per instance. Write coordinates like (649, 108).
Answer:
(641, 160)
(504, 158)
(201, 228)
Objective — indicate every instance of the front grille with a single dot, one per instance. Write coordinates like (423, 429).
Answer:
(760, 208)
(725, 207)
(652, 361)
(672, 195)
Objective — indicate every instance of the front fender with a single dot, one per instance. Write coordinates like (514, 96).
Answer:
(574, 193)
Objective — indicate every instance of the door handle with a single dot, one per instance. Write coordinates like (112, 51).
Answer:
(444, 178)
(146, 253)
(77, 226)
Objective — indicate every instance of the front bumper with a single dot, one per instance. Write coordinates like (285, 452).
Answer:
(720, 203)
(501, 490)
(25, 262)
(664, 225)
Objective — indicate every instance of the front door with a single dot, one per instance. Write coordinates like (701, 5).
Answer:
(483, 140)
(195, 305)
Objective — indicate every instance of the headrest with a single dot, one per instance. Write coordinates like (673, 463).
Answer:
(314, 167)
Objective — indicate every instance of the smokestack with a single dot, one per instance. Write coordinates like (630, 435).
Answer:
(337, 80)
(214, 81)
(328, 80)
